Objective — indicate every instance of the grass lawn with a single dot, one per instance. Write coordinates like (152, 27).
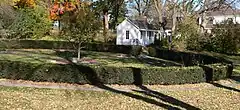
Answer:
(47, 56)
(101, 58)
(49, 99)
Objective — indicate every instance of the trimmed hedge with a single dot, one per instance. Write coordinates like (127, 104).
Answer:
(35, 44)
(172, 75)
(186, 58)
(43, 44)
(93, 74)
(65, 73)
(217, 71)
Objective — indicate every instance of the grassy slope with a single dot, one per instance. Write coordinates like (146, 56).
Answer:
(102, 58)
(46, 56)
(31, 98)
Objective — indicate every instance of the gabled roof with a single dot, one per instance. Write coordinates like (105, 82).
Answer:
(221, 9)
(222, 12)
(142, 24)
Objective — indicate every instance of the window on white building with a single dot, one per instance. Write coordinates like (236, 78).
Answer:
(127, 34)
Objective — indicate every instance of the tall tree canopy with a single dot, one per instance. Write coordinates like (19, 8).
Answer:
(106, 6)
(80, 24)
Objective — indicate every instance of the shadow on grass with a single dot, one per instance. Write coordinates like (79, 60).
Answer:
(138, 97)
(225, 87)
(236, 78)
(165, 98)
(158, 62)
(112, 58)
(167, 101)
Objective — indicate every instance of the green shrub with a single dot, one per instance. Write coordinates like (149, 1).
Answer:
(30, 23)
(136, 50)
(194, 43)
(163, 43)
(217, 71)
(92, 74)
(225, 37)
(152, 51)
(190, 35)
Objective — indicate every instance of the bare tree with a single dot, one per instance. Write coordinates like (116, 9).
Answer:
(141, 6)
(158, 4)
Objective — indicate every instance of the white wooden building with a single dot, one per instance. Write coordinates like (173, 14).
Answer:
(136, 32)
(219, 16)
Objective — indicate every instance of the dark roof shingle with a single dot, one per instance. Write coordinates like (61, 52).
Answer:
(142, 24)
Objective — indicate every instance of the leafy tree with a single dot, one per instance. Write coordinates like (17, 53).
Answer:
(80, 25)
(31, 23)
(24, 3)
(103, 7)
(58, 7)
(7, 17)
(225, 37)
(189, 35)
(118, 14)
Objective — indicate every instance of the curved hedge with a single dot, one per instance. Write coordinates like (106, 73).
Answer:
(84, 74)
(186, 58)
(92, 74)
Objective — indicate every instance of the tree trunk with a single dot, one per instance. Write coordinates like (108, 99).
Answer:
(174, 20)
(204, 17)
(174, 23)
(79, 51)
(159, 9)
(105, 23)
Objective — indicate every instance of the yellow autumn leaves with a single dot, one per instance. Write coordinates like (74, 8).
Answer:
(24, 3)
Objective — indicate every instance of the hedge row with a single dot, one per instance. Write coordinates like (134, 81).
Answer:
(186, 58)
(35, 44)
(43, 44)
(91, 74)
(64, 73)
(217, 71)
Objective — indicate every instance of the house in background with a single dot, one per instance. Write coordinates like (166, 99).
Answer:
(136, 32)
(218, 17)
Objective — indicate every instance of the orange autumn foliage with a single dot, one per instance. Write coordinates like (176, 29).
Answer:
(59, 8)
